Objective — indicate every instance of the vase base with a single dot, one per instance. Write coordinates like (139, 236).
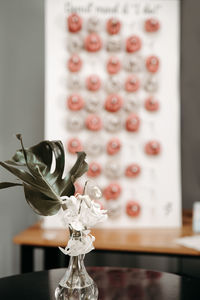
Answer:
(86, 293)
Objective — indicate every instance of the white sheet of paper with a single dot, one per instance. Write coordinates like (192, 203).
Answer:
(158, 188)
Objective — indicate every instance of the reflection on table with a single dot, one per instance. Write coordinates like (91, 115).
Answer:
(113, 283)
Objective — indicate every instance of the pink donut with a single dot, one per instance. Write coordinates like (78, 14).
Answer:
(151, 104)
(75, 102)
(133, 44)
(113, 65)
(74, 145)
(93, 122)
(113, 26)
(93, 42)
(133, 208)
(132, 170)
(152, 148)
(74, 63)
(132, 83)
(112, 191)
(93, 83)
(152, 25)
(113, 103)
(94, 169)
(113, 146)
(152, 64)
(132, 123)
(74, 22)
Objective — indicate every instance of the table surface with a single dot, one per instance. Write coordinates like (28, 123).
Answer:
(113, 283)
(157, 241)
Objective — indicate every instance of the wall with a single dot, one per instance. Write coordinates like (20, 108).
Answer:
(190, 81)
(21, 110)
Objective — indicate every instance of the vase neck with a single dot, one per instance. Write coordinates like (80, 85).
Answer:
(76, 275)
(76, 262)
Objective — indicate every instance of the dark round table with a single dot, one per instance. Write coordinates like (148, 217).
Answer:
(113, 283)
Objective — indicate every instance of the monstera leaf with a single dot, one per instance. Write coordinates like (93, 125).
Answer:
(43, 188)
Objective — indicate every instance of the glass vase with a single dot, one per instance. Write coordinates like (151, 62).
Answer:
(76, 284)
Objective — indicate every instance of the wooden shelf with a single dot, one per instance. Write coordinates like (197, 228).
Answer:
(158, 241)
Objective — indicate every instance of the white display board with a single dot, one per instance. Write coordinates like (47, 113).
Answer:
(150, 191)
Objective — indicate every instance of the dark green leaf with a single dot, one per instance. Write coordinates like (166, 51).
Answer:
(40, 184)
(69, 188)
(40, 203)
(28, 178)
(4, 185)
(80, 166)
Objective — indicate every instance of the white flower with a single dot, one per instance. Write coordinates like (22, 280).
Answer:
(90, 217)
(80, 213)
(79, 246)
(85, 198)
(70, 215)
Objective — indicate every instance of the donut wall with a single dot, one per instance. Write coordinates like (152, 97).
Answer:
(112, 90)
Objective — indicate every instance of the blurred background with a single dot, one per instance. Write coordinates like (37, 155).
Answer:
(22, 110)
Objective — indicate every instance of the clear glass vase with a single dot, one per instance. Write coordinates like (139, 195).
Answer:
(76, 284)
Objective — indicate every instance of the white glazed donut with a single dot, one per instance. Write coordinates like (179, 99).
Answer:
(75, 44)
(133, 63)
(75, 122)
(113, 122)
(114, 44)
(113, 169)
(93, 103)
(113, 84)
(93, 146)
(93, 24)
(151, 84)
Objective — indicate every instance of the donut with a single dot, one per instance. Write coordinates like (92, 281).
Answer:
(152, 148)
(113, 84)
(113, 146)
(113, 65)
(74, 145)
(151, 84)
(93, 24)
(93, 42)
(74, 63)
(113, 26)
(113, 103)
(132, 123)
(113, 169)
(75, 122)
(74, 22)
(94, 146)
(133, 170)
(114, 44)
(93, 103)
(151, 104)
(133, 209)
(74, 43)
(93, 83)
(152, 64)
(112, 191)
(133, 44)
(93, 122)
(133, 63)
(94, 169)
(75, 102)
(152, 25)
(132, 83)
(113, 123)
